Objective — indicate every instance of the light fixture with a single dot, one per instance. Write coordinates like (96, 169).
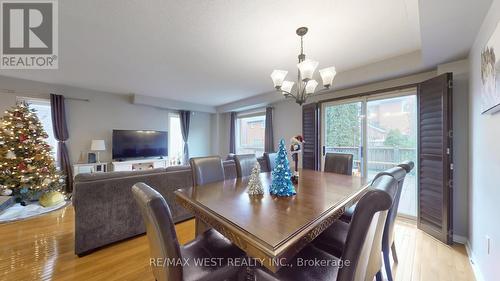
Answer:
(306, 85)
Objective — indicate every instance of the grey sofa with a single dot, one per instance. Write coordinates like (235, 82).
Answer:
(105, 211)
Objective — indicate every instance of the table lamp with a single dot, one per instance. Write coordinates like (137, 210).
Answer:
(98, 145)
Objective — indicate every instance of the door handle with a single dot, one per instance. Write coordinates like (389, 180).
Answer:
(324, 149)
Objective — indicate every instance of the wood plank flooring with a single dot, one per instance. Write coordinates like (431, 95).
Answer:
(42, 249)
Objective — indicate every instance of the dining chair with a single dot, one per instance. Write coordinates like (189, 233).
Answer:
(164, 245)
(244, 164)
(334, 239)
(206, 170)
(340, 163)
(363, 240)
(271, 159)
(388, 245)
(407, 165)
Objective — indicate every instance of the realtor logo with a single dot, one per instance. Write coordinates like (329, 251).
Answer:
(29, 34)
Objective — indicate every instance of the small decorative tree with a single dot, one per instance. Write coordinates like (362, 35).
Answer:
(26, 162)
(281, 174)
(254, 183)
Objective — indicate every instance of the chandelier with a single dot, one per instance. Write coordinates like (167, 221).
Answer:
(306, 86)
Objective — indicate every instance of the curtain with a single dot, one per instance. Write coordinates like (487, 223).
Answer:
(232, 133)
(185, 117)
(61, 134)
(268, 135)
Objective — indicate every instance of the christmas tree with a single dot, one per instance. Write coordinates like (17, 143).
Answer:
(281, 174)
(26, 162)
(254, 183)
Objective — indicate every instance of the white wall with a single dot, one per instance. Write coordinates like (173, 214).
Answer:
(105, 111)
(484, 163)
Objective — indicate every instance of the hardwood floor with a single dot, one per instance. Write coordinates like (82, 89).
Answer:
(42, 249)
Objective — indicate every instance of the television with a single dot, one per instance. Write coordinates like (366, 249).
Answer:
(139, 144)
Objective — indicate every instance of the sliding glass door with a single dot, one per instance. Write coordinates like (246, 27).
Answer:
(380, 132)
(391, 137)
(342, 131)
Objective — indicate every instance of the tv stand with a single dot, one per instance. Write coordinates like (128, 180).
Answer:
(139, 164)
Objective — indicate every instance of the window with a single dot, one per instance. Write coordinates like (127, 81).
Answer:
(42, 107)
(175, 141)
(250, 133)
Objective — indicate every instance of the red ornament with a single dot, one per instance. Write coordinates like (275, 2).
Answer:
(23, 137)
(21, 166)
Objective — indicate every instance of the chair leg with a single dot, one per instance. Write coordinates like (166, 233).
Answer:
(387, 264)
(378, 277)
(394, 255)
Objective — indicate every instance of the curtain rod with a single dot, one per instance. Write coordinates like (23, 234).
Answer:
(10, 91)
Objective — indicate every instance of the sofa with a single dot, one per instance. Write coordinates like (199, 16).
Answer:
(105, 211)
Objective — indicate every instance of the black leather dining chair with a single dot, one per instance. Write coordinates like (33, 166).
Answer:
(340, 163)
(407, 166)
(334, 239)
(163, 244)
(270, 159)
(244, 164)
(206, 170)
(363, 242)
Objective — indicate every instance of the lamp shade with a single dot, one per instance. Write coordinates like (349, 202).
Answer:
(287, 86)
(98, 145)
(311, 86)
(278, 77)
(307, 68)
(327, 75)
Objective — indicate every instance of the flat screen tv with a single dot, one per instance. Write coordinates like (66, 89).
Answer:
(139, 144)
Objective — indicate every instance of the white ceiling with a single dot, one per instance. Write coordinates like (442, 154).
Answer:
(216, 52)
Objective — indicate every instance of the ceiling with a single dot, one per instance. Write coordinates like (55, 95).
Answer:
(216, 52)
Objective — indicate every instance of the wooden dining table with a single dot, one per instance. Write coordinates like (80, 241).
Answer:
(268, 228)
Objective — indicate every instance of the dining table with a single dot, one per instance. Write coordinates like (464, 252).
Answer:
(270, 228)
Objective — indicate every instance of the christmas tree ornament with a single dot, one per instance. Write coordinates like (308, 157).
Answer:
(281, 174)
(10, 155)
(254, 184)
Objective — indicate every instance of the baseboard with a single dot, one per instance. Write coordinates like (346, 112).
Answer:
(475, 268)
(459, 239)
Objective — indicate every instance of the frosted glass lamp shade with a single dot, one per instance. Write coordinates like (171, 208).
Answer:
(278, 77)
(98, 145)
(327, 75)
(307, 68)
(287, 86)
(311, 86)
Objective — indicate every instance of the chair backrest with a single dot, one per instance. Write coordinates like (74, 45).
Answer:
(340, 163)
(407, 166)
(206, 170)
(271, 159)
(364, 240)
(160, 230)
(244, 164)
(398, 174)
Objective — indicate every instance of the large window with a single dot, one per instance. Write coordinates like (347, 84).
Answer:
(175, 140)
(42, 107)
(250, 131)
